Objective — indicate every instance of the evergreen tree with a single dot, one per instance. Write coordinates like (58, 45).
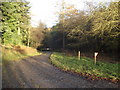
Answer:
(15, 21)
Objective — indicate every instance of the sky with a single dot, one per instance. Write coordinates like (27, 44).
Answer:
(46, 10)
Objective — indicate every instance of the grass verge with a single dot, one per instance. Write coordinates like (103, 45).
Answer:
(14, 53)
(86, 67)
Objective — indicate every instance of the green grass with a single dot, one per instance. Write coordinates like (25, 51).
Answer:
(85, 65)
(14, 54)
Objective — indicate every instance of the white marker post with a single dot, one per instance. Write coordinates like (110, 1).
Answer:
(78, 55)
(95, 55)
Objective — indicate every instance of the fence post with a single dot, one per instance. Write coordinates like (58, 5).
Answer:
(95, 55)
(78, 55)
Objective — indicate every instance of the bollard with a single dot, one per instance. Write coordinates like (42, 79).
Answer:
(95, 55)
(78, 55)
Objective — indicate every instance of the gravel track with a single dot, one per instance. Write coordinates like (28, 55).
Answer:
(37, 72)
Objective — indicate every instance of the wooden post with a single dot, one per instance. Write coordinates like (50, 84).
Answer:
(95, 55)
(78, 55)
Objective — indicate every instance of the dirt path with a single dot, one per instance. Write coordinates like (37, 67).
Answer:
(37, 72)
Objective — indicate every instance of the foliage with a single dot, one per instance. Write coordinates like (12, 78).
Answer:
(37, 34)
(15, 20)
(106, 26)
(12, 53)
(85, 66)
(96, 30)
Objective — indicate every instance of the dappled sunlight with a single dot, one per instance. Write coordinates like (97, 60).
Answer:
(44, 38)
(11, 53)
(86, 65)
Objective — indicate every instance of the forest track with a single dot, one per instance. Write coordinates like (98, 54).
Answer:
(37, 72)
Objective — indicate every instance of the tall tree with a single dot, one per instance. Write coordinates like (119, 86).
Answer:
(15, 19)
(37, 35)
(106, 25)
(66, 12)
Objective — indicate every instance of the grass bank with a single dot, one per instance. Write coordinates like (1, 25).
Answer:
(86, 67)
(13, 53)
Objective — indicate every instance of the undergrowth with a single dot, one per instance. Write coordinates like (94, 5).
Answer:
(13, 53)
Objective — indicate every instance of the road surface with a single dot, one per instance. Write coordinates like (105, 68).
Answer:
(37, 72)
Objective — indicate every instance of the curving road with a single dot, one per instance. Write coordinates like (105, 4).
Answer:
(37, 72)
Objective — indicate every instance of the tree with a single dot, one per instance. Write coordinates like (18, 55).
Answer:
(106, 26)
(15, 19)
(37, 35)
(66, 12)
(96, 30)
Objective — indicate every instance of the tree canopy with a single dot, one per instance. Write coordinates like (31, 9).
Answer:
(15, 21)
(96, 30)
